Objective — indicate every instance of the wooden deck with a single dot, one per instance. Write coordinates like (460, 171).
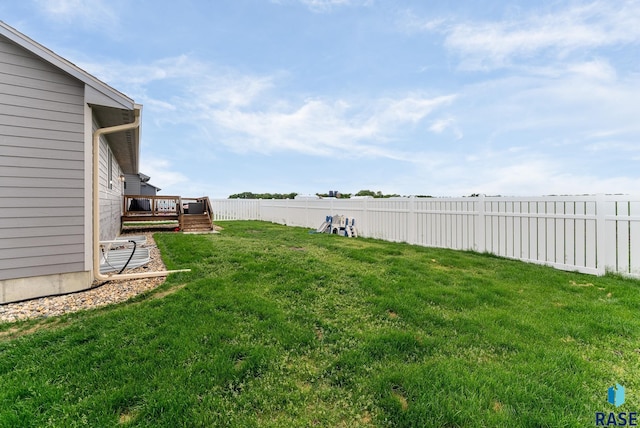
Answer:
(167, 212)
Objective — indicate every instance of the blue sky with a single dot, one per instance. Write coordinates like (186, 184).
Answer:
(410, 97)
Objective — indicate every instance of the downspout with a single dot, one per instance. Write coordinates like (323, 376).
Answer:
(96, 205)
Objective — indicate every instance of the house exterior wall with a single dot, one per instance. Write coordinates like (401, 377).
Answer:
(147, 190)
(42, 168)
(133, 184)
(48, 112)
(111, 192)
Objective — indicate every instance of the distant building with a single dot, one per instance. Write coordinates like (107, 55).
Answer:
(138, 184)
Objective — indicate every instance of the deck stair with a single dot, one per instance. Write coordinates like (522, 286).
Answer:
(195, 222)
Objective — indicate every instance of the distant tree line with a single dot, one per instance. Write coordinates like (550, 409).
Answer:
(331, 194)
(377, 194)
(251, 195)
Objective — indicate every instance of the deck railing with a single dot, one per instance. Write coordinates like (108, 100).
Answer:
(201, 205)
(152, 206)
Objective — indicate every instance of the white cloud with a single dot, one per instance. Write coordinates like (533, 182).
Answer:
(578, 102)
(247, 113)
(323, 127)
(95, 14)
(194, 84)
(408, 21)
(324, 6)
(597, 70)
(439, 126)
(229, 89)
(138, 75)
(410, 109)
(612, 132)
(163, 173)
(229, 111)
(505, 173)
(159, 105)
(617, 146)
(542, 178)
(494, 44)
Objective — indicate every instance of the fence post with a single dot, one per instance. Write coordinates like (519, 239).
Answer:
(286, 213)
(364, 222)
(480, 225)
(600, 233)
(411, 227)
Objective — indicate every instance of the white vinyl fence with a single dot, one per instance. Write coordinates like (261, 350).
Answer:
(591, 234)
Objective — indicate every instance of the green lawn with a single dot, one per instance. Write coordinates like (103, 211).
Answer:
(278, 327)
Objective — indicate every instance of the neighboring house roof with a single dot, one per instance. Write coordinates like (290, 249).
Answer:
(145, 179)
(110, 106)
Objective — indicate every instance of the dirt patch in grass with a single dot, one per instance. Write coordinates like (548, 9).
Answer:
(397, 394)
(165, 293)
(24, 330)
(239, 362)
(586, 284)
(127, 417)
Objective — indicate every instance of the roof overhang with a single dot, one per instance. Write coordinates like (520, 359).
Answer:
(151, 185)
(125, 145)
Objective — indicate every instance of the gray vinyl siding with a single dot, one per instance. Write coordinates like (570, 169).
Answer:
(110, 199)
(133, 184)
(41, 167)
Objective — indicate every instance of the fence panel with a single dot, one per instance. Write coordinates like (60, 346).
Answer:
(235, 209)
(590, 234)
(622, 252)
